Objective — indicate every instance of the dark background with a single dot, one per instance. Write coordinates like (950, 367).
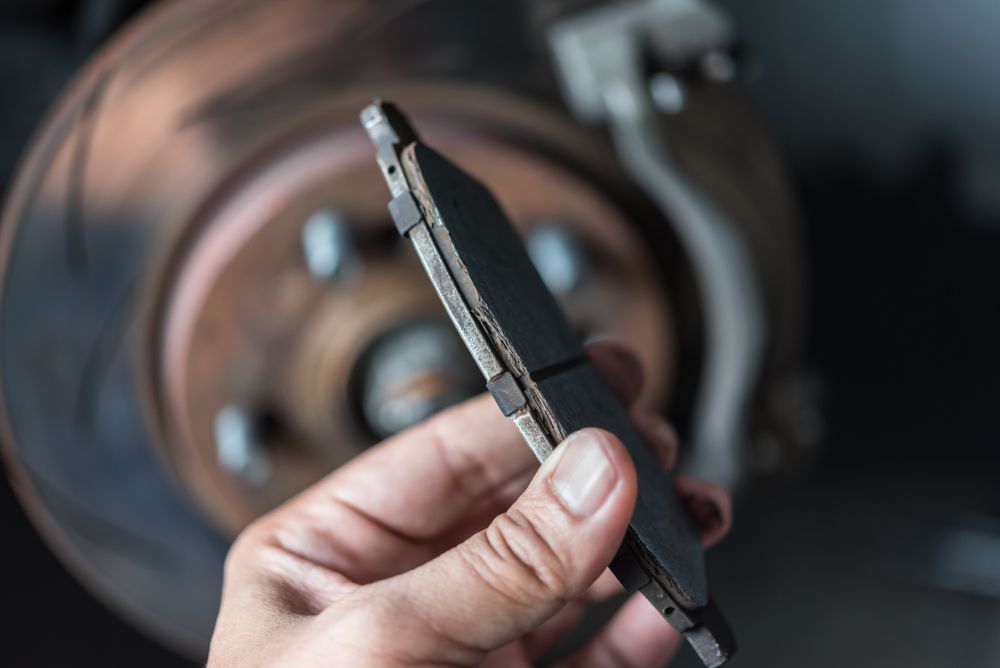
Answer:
(887, 551)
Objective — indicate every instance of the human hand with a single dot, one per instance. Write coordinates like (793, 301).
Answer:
(448, 545)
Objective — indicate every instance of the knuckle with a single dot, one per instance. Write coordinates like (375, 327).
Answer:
(519, 560)
(246, 548)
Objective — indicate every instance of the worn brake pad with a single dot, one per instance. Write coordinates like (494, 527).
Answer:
(535, 365)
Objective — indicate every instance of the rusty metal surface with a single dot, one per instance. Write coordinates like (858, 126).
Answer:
(158, 309)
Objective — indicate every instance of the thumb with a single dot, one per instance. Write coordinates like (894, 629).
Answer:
(551, 545)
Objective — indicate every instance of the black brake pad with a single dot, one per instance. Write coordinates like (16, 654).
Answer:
(535, 365)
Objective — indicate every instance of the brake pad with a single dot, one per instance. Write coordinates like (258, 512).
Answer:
(535, 365)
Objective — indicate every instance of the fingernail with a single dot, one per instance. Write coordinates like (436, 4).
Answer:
(584, 476)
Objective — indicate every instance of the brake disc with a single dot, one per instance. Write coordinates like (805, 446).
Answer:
(205, 307)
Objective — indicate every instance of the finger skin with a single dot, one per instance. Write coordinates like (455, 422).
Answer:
(420, 481)
(660, 435)
(619, 367)
(709, 504)
(542, 639)
(380, 514)
(522, 569)
(636, 637)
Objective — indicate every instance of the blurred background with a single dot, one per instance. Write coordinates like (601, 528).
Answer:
(204, 307)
